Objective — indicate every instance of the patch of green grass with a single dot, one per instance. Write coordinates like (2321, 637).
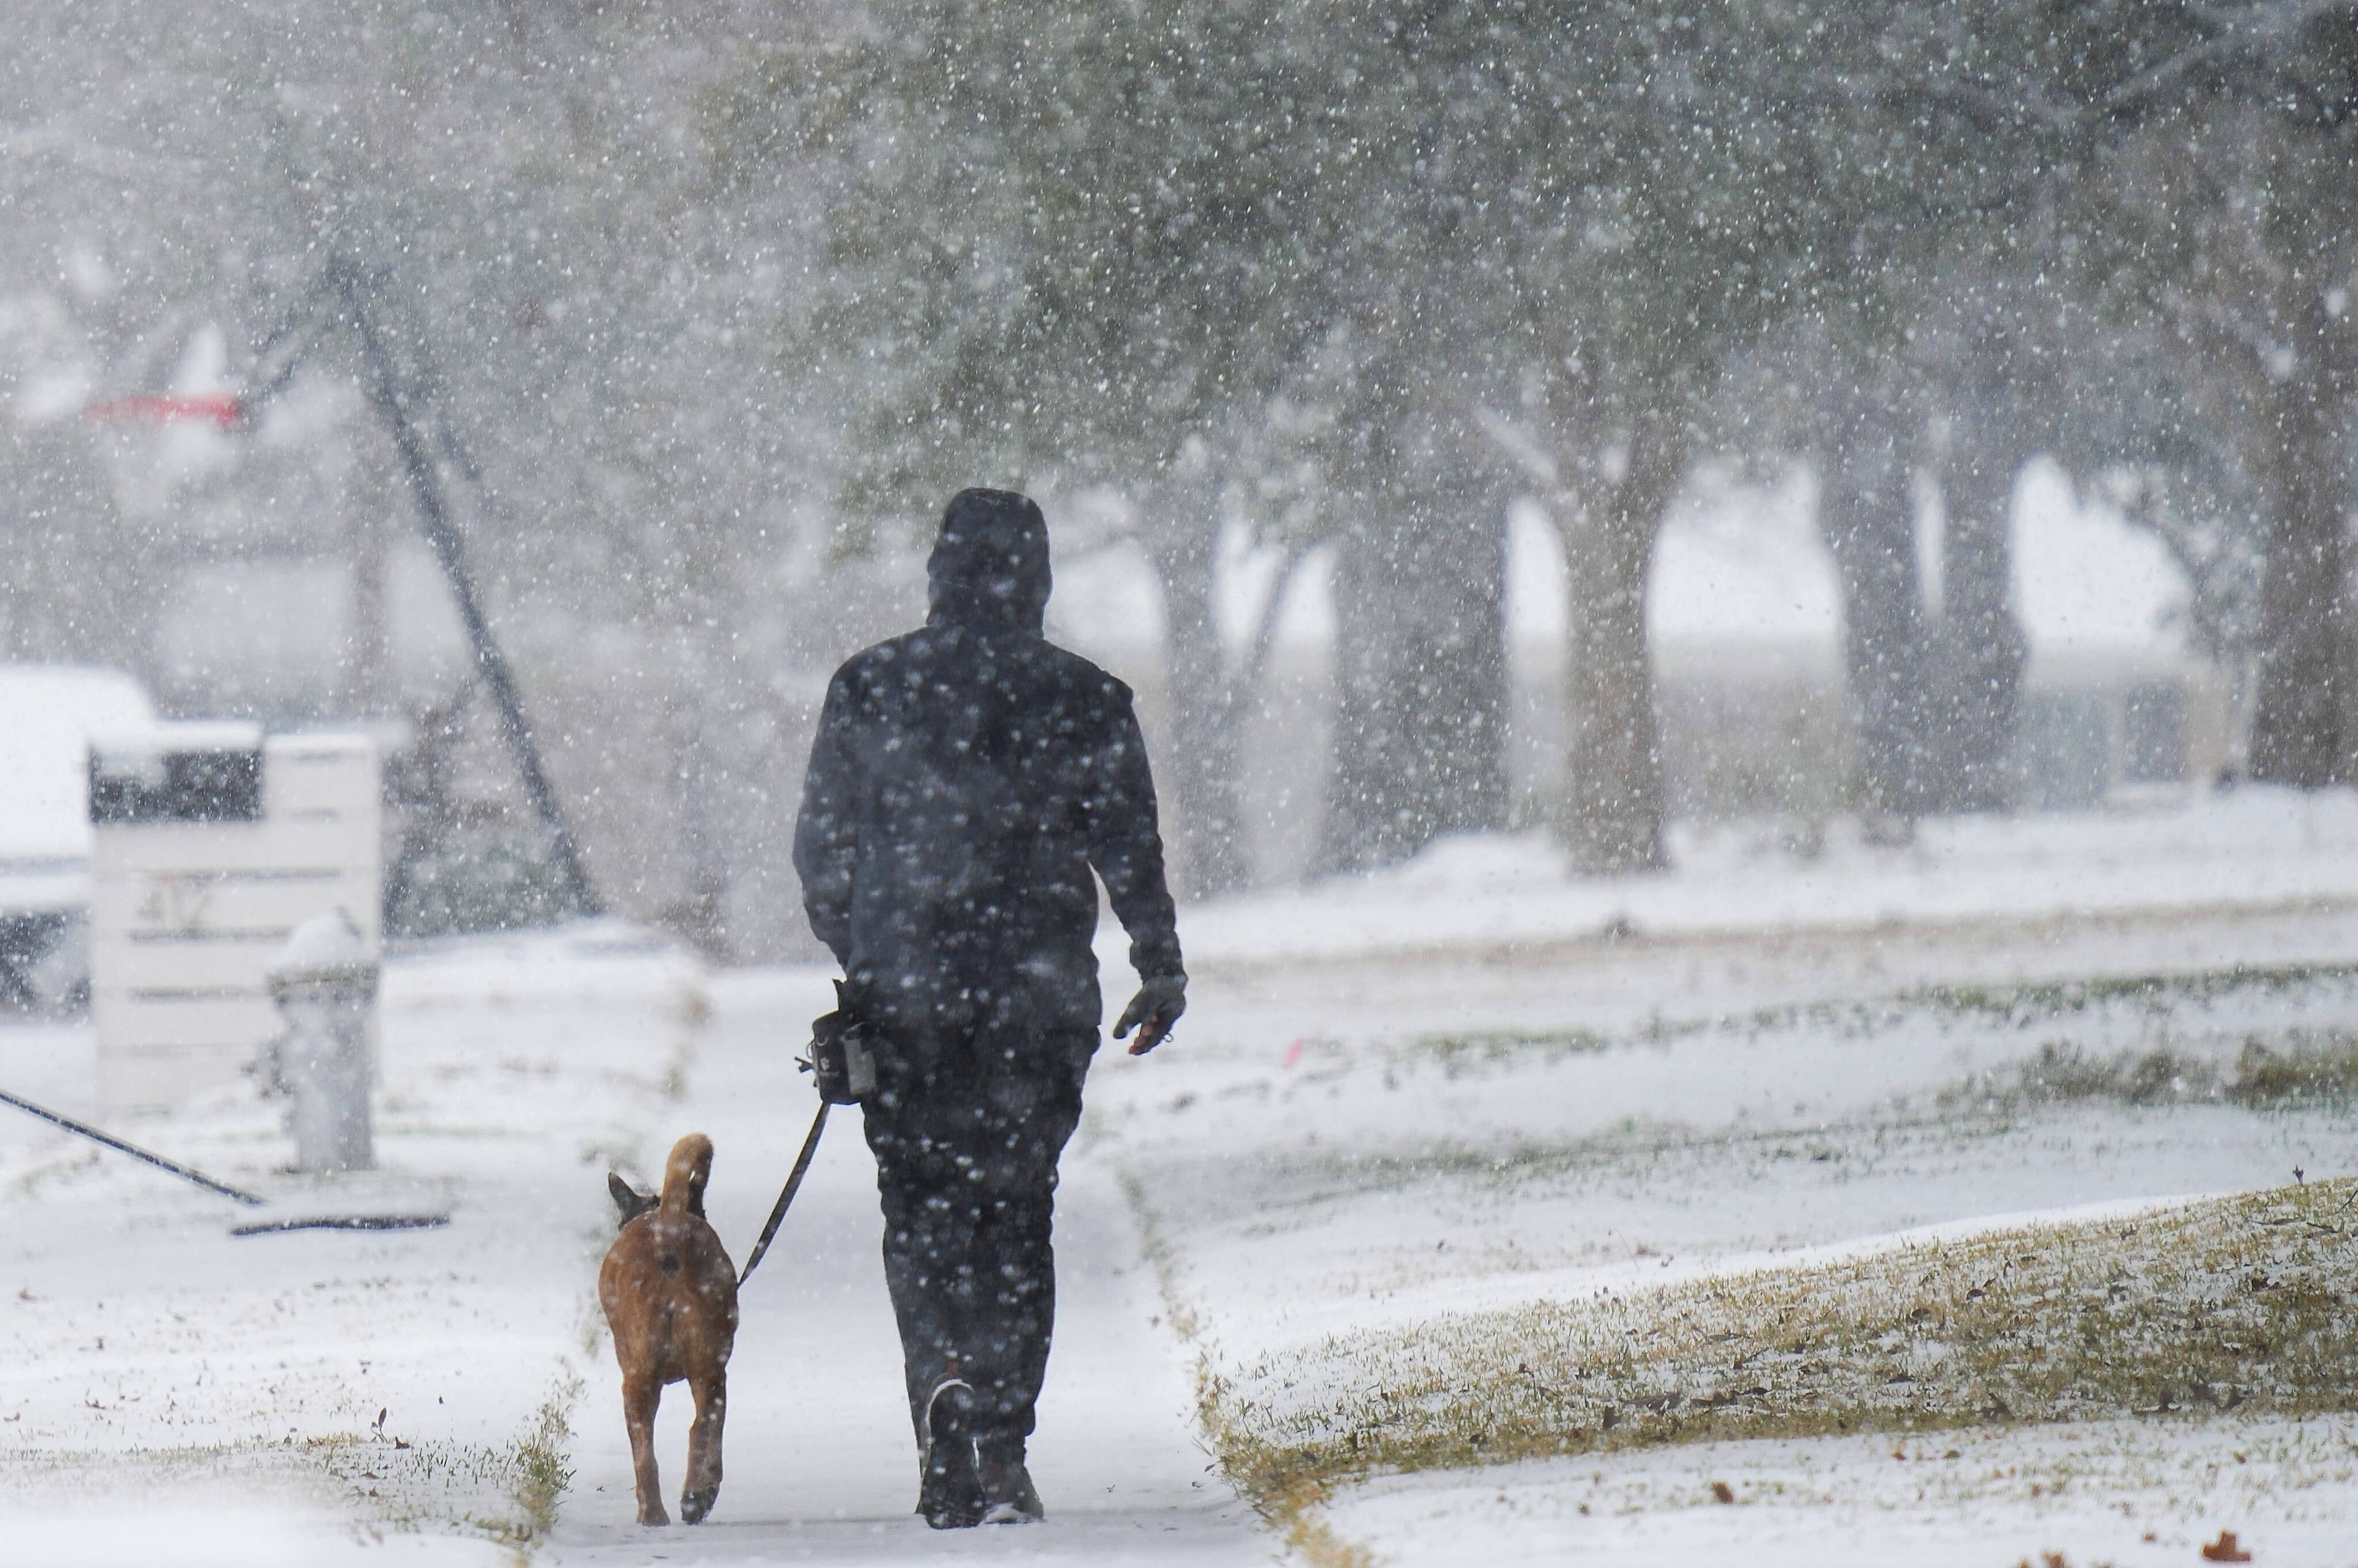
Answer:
(542, 1470)
(2021, 1007)
(2307, 1069)
(1458, 1053)
(2301, 1068)
(2027, 1003)
(387, 1483)
(508, 1493)
(2241, 1302)
(2063, 1073)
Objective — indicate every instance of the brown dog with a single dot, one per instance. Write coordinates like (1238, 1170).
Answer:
(670, 1295)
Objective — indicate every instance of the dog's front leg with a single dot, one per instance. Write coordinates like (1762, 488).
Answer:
(704, 1446)
(641, 1394)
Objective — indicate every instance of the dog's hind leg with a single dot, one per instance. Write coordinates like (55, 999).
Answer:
(704, 1445)
(641, 1392)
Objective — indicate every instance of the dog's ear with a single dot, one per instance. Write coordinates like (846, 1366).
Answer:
(629, 1201)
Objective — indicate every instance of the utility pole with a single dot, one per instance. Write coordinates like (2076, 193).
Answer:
(343, 298)
(384, 391)
(370, 687)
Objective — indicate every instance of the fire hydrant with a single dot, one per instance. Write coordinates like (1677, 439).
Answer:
(324, 981)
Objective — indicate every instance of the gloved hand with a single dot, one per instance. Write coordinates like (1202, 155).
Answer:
(1152, 1011)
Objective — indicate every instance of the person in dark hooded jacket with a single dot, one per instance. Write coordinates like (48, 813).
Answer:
(966, 780)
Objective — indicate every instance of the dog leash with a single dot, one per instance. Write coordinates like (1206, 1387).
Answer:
(787, 1197)
(190, 1174)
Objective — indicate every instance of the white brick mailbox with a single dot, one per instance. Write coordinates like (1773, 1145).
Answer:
(210, 845)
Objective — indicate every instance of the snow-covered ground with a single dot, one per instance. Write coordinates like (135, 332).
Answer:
(2255, 850)
(1397, 1107)
(170, 1393)
(2133, 1494)
(338, 1385)
(1469, 1085)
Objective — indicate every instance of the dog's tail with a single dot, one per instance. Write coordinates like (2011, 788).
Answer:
(684, 1173)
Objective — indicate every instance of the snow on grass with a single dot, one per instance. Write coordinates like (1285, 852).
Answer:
(1379, 1177)
(1655, 1207)
(2216, 1305)
(2254, 849)
(2302, 1069)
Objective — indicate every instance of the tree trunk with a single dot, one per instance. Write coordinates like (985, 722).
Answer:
(700, 911)
(1419, 668)
(370, 689)
(1202, 765)
(1456, 692)
(1365, 809)
(2299, 721)
(1980, 651)
(1612, 818)
(1867, 515)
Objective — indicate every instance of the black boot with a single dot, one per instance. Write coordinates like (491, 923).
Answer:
(949, 1491)
(1007, 1495)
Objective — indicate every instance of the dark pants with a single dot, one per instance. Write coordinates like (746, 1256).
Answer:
(966, 1163)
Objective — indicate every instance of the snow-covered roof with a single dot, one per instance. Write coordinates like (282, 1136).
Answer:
(154, 739)
(48, 714)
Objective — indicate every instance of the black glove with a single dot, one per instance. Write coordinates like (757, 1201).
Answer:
(842, 1061)
(1152, 1011)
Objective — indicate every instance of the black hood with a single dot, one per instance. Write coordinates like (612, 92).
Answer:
(989, 567)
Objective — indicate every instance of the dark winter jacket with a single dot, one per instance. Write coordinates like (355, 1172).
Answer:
(965, 779)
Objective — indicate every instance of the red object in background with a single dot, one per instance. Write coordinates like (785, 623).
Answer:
(224, 409)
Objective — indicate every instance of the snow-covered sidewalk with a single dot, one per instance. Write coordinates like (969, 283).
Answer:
(821, 1466)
